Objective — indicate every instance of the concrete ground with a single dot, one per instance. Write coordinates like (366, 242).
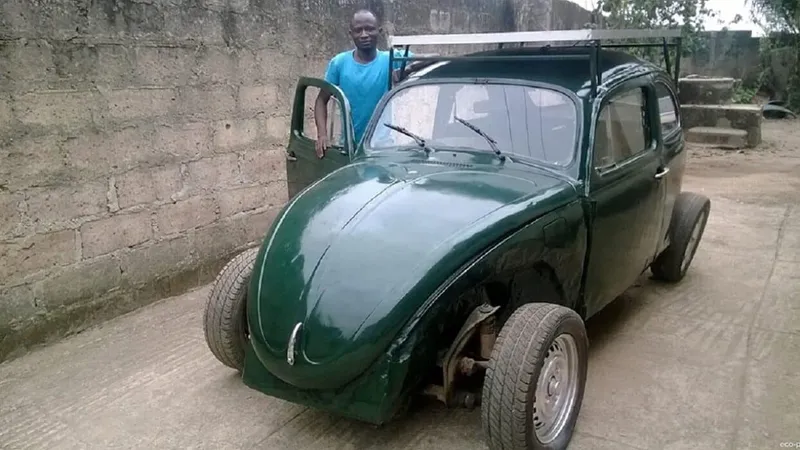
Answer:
(709, 363)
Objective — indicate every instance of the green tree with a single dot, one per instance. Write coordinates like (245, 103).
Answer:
(781, 20)
(688, 15)
(776, 15)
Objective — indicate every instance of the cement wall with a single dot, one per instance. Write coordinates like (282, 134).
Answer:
(731, 53)
(740, 55)
(141, 140)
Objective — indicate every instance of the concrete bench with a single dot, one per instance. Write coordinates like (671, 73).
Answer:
(706, 91)
(732, 116)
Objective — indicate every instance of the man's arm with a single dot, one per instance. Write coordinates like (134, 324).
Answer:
(321, 108)
(399, 74)
(321, 120)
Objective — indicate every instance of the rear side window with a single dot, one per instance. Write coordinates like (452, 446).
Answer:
(621, 128)
(667, 108)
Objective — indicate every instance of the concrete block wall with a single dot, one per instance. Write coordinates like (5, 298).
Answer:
(731, 53)
(141, 141)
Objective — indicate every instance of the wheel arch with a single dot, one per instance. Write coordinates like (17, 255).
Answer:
(543, 273)
(518, 265)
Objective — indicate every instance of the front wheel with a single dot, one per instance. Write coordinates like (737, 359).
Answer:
(534, 385)
(225, 319)
(689, 218)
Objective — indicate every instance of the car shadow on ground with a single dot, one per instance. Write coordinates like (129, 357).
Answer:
(611, 320)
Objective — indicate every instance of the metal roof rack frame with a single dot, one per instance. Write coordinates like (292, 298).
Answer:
(592, 38)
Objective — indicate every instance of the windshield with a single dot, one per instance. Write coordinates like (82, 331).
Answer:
(534, 122)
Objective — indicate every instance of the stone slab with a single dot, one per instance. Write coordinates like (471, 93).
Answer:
(721, 137)
(706, 91)
(740, 117)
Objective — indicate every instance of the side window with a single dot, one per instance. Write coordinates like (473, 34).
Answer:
(667, 107)
(335, 134)
(622, 129)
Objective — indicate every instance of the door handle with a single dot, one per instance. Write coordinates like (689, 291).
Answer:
(662, 172)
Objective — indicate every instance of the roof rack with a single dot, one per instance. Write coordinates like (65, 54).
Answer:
(592, 38)
(533, 36)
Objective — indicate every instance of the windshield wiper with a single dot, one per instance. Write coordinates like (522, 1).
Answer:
(420, 141)
(492, 142)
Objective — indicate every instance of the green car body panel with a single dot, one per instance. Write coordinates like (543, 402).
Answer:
(362, 280)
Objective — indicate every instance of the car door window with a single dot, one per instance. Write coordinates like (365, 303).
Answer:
(622, 130)
(668, 110)
(334, 124)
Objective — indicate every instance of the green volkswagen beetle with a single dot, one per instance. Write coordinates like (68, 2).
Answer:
(496, 201)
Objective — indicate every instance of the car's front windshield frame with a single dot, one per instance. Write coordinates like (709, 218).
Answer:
(374, 124)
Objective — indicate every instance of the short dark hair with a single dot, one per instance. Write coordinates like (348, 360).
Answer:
(374, 7)
(364, 10)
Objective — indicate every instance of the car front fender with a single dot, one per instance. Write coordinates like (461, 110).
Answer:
(534, 253)
(354, 257)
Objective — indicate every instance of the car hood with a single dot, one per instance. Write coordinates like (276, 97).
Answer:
(351, 258)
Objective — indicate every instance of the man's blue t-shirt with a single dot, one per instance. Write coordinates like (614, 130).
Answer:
(362, 84)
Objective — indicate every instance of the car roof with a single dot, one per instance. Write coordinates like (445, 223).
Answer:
(571, 74)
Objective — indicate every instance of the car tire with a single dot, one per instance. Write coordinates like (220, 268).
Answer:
(537, 339)
(689, 218)
(225, 318)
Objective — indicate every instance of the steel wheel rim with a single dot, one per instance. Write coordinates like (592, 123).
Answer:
(556, 388)
(691, 246)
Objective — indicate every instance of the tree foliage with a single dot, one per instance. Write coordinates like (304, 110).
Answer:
(777, 15)
(781, 20)
(688, 15)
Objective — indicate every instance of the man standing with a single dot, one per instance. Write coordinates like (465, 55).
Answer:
(362, 74)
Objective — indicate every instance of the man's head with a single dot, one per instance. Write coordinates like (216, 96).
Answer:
(364, 29)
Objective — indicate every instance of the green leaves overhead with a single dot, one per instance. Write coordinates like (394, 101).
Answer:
(777, 15)
(688, 15)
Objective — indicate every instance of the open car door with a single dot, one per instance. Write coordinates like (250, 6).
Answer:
(303, 167)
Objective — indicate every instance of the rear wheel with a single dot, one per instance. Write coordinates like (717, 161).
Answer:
(536, 378)
(225, 319)
(689, 218)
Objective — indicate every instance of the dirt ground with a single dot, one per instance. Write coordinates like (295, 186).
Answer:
(709, 363)
(766, 175)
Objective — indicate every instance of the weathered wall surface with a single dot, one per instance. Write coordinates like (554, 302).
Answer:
(729, 53)
(140, 140)
(740, 55)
